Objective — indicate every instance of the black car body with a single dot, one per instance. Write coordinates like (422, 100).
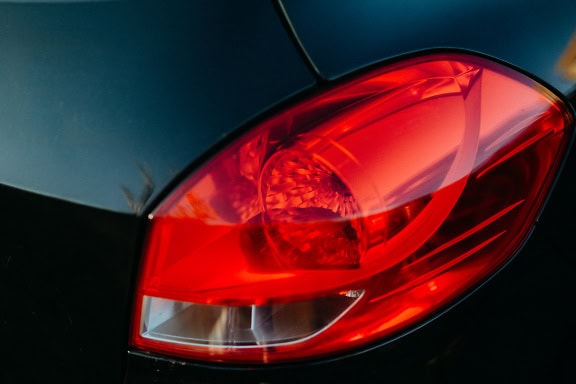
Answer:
(106, 105)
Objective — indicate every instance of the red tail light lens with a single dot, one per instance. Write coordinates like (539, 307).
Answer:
(352, 215)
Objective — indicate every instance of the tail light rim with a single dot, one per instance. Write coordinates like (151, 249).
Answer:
(168, 197)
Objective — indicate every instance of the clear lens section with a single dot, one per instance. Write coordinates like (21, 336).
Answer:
(222, 326)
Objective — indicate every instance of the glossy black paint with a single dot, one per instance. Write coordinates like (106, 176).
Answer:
(65, 284)
(101, 101)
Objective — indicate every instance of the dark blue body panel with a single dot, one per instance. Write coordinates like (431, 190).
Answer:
(94, 94)
(341, 36)
(104, 105)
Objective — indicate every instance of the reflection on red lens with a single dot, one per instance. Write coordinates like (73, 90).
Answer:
(378, 202)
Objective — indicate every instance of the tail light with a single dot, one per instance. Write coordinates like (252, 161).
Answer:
(352, 215)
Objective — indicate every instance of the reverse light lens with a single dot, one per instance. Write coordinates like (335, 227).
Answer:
(223, 325)
(352, 215)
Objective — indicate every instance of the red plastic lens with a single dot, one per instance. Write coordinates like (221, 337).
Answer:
(351, 215)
